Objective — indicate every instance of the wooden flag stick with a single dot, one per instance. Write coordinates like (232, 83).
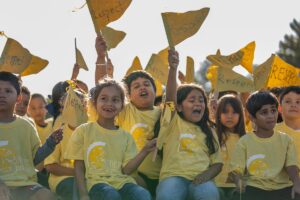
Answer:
(75, 51)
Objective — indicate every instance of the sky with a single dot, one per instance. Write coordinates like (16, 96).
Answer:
(47, 28)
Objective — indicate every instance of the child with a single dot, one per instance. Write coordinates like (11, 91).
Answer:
(290, 108)
(266, 158)
(138, 116)
(19, 147)
(230, 126)
(61, 179)
(191, 157)
(21, 107)
(37, 111)
(104, 154)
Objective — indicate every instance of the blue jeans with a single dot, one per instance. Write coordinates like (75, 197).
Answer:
(65, 188)
(179, 188)
(129, 191)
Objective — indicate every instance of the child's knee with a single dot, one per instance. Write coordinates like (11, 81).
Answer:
(43, 194)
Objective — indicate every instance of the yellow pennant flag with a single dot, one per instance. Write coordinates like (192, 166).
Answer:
(158, 68)
(74, 112)
(112, 37)
(247, 60)
(159, 88)
(224, 79)
(80, 60)
(136, 65)
(180, 26)
(15, 58)
(226, 61)
(242, 57)
(275, 72)
(190, 71)
(36, 65)
(105, 11)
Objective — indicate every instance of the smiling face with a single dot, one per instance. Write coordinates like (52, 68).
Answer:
(266, 117)
(8, 96)
(109, 102)
(290, 106)
(229, 118)
(142, 93)
(193, 106)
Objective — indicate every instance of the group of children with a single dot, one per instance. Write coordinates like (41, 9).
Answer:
(131, 149)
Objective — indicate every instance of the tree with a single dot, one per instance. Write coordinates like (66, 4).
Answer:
(289, 48)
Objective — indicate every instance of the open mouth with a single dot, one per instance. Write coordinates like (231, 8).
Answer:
(197, 111)
(144, 94)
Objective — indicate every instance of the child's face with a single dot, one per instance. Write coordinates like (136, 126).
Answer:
(193, 106)
(266, 117)
(290, 106)
(229, 118)
(8, 96)
(142, 93)
(21, 107)
(109, 103)
(37, 109)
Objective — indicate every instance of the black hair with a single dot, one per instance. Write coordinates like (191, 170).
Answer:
(258, 99)
(12, 79)
(135, 75)
(37, 95)
(294, 89)
(221, 108)
(57, 92)
(25, 90)
(107, 82)
(182, 92)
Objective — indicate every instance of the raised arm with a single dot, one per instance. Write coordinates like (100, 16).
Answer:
(173, 59)
(100, 71)
(75, 72)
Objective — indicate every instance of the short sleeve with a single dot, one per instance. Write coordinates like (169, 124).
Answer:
(130, 151)
(291, 155)
(34, 140)
(75, 147)
(238, 159)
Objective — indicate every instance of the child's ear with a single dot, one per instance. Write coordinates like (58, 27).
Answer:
(179, 108)
(279, 109)
(19, 99)
(252, 118)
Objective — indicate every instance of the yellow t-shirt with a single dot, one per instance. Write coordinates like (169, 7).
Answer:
(185, 152)
(264, 160)
(19, 143)
(57, 157)
(44, 132)
(104, 153)
(227, 150)
(140, 125)
(294, 134)
(58, 122)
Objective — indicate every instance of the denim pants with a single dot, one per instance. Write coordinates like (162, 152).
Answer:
(179, 188)
(65, 188)
(129, 191)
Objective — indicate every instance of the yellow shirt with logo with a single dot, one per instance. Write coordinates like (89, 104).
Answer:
(294, 134)
(44, 132)
(185, 152)
(264, 160)
(19, 143)
(104, 152)
(57, 157)
(140, 124)
(226, 151)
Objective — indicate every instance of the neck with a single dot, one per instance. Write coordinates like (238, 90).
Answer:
(292, 123)
(40, 122)
(264, 133)
(107, 123)
(6, 116)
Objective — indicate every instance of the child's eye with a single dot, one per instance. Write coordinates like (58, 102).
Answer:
(116, 100)
(287, 101)
(8, 91)
(273, 110)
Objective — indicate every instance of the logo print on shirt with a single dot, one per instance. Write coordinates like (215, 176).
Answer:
(139, 134)
(187, 143)
(256, 165)
(95, 155)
